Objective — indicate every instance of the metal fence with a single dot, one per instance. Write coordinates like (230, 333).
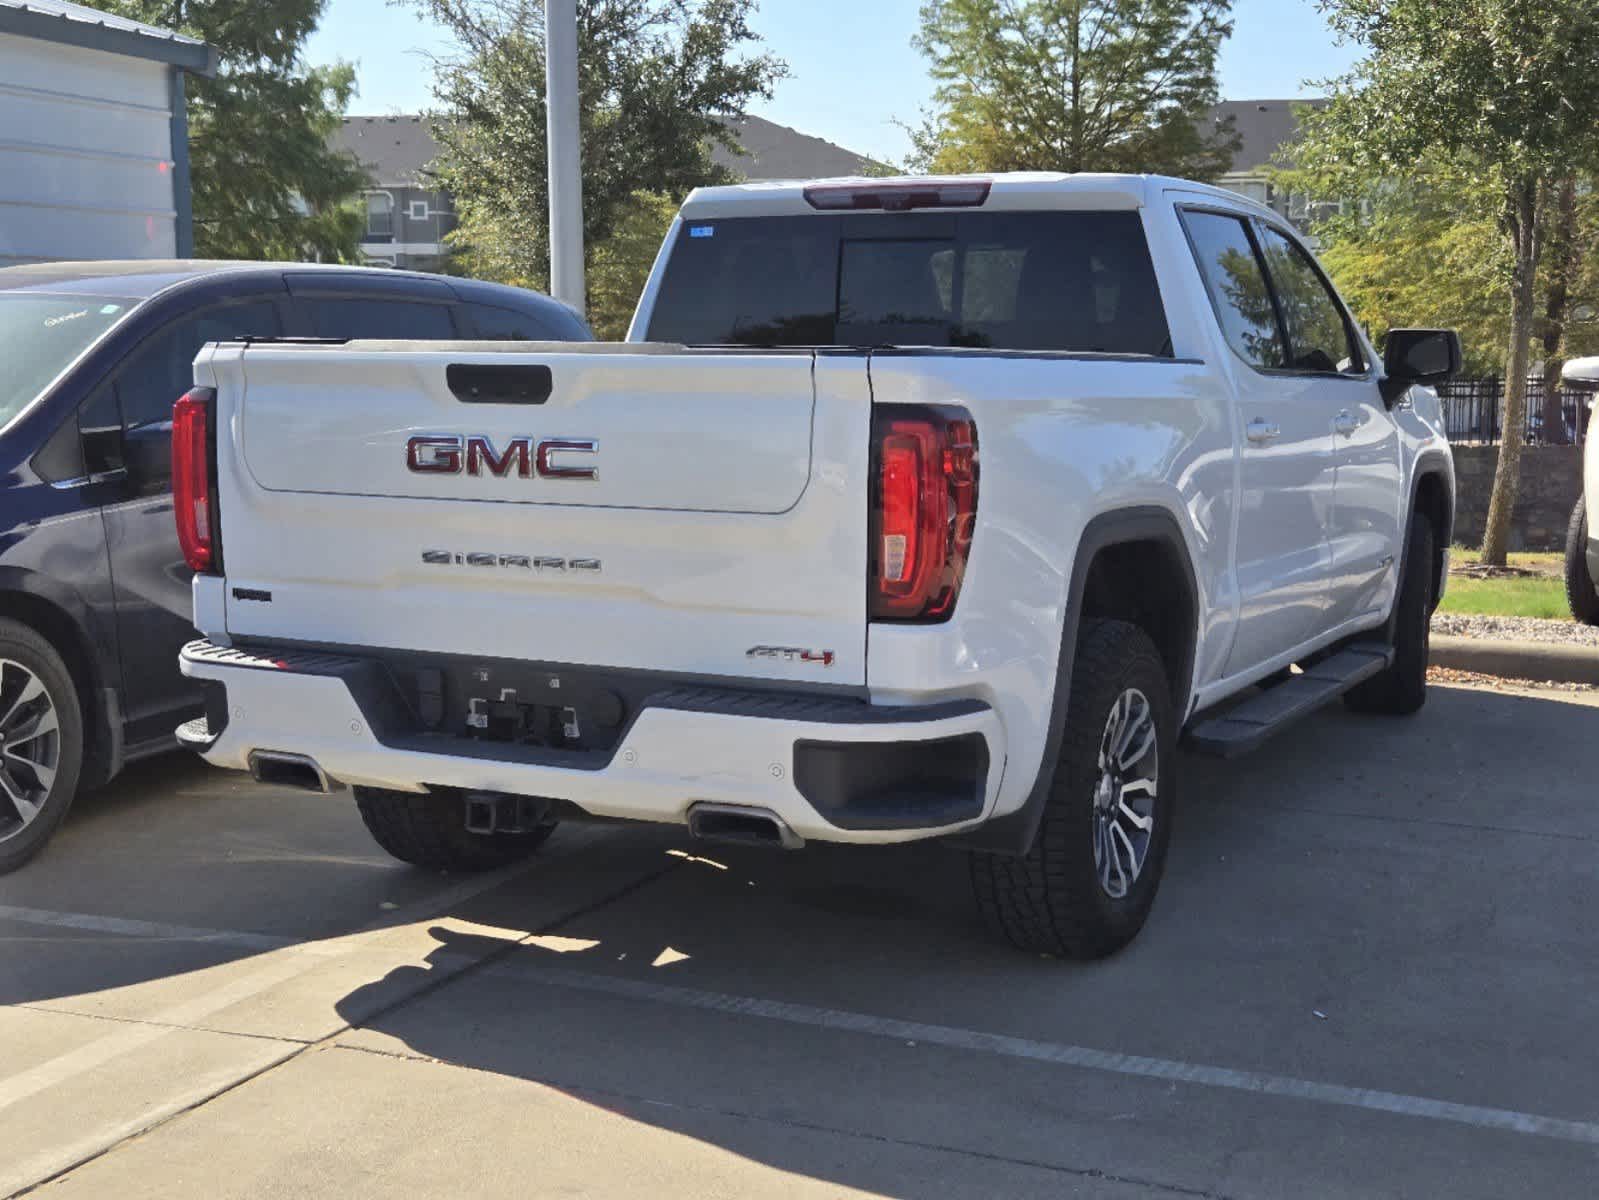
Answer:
(1473, 412)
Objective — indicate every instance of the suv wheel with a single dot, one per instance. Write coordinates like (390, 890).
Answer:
(1086, 886)
(1581, 593)
(1402, 688)
(41, 743)
(428, 829)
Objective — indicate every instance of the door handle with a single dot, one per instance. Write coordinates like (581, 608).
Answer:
(1345, 424)
(1260, 432)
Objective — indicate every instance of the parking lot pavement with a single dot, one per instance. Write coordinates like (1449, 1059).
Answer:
(1371, 971)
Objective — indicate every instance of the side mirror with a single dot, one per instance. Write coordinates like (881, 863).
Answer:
(1581, 374)
(1418, 356)
(148, 451)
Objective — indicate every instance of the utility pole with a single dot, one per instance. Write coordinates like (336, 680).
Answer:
(566, 169)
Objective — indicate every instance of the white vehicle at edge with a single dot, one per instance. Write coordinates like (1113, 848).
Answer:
(912, 508)
(1582, 536)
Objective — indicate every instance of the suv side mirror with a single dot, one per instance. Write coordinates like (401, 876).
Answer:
(1582, 374)
(1418, 356)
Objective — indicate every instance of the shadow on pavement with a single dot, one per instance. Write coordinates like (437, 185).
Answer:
(1363, 901)
(1326, 914)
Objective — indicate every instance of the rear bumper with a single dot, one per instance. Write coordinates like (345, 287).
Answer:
(832, 769)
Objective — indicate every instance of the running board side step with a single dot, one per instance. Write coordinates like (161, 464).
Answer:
(1242, 728)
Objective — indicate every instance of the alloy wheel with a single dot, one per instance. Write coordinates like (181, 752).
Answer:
(30, 747)
(1124, 797)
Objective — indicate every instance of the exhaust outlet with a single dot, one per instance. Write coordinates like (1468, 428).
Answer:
(744, 826)
(291, 770)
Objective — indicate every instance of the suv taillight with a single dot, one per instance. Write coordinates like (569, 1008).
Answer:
(924, 507)
(193, 497)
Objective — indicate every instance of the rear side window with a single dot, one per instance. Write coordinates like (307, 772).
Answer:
(377, 317)
(1067, 281)
(1237, 287)
(509, 325)
(1318, 337)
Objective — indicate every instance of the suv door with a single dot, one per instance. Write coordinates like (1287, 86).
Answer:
(1364, 536)
(1287, 466)
(127, 424)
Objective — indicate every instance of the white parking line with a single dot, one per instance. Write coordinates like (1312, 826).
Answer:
(287, 959)
(91, 923)
(1062, 1054)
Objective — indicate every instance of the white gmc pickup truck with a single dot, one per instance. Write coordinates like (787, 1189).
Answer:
(920, 508)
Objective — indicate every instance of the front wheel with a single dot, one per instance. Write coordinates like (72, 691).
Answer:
(1402, 688)
(1085, 888)
(1581, 593)
(41, 743)
(428, 829)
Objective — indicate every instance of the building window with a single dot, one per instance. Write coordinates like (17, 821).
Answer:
(419, 210)
(379, 217)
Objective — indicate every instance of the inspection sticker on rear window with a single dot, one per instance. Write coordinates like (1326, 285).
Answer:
(695, 231)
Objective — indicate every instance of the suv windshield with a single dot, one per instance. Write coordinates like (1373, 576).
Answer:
(1071, 281)
(41, 334)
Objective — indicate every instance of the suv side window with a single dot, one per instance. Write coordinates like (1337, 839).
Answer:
(1237, 286)
(152, 378)
(149, 382)
(509, 325)
(1319, 339)
(376, 317)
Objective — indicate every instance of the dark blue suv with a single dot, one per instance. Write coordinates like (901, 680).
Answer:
(94, 593)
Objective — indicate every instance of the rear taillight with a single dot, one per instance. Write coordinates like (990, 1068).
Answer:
(193, 498)
(924, 507)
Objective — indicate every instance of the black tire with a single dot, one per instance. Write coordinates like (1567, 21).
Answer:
(20, 840)
(1051, 900)
(1581, 593)
(428, 829)
(1402, 688)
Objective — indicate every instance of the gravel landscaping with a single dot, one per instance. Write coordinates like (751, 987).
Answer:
(1525, 629)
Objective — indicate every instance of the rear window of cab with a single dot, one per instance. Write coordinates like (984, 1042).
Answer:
(1052, 281)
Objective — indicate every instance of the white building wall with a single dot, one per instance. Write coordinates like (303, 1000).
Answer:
(85, 154)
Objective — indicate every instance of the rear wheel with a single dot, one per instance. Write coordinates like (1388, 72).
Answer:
(1086, 886)
(1581, 592)
(1402, 688)
(428, 829)
(41, 743)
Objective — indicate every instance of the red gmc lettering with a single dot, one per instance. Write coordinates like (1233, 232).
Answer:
(433, 455)
(480, 454)
(474, 454)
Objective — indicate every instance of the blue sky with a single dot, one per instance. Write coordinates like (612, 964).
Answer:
(854, 72)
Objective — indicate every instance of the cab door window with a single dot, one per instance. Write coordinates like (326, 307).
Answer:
(1237, 286)
(1319, 338)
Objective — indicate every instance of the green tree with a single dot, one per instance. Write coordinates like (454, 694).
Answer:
(1420, 251)
(619, 266)
(655, 80)
(1074, 85)
(1501, 91)
(265, 182)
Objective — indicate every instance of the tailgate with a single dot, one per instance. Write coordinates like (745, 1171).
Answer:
(634, 507)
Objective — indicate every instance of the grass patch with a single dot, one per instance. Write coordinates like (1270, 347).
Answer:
(1506, 597)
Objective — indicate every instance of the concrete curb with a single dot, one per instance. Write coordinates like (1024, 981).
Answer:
(1539, 661)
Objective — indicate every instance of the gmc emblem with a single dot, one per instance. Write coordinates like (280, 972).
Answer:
(548, 458)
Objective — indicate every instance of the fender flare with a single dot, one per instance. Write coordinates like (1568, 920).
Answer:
(1014, 832)
(1430, 465)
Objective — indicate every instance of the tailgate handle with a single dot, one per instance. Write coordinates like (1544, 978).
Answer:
(499, 383)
